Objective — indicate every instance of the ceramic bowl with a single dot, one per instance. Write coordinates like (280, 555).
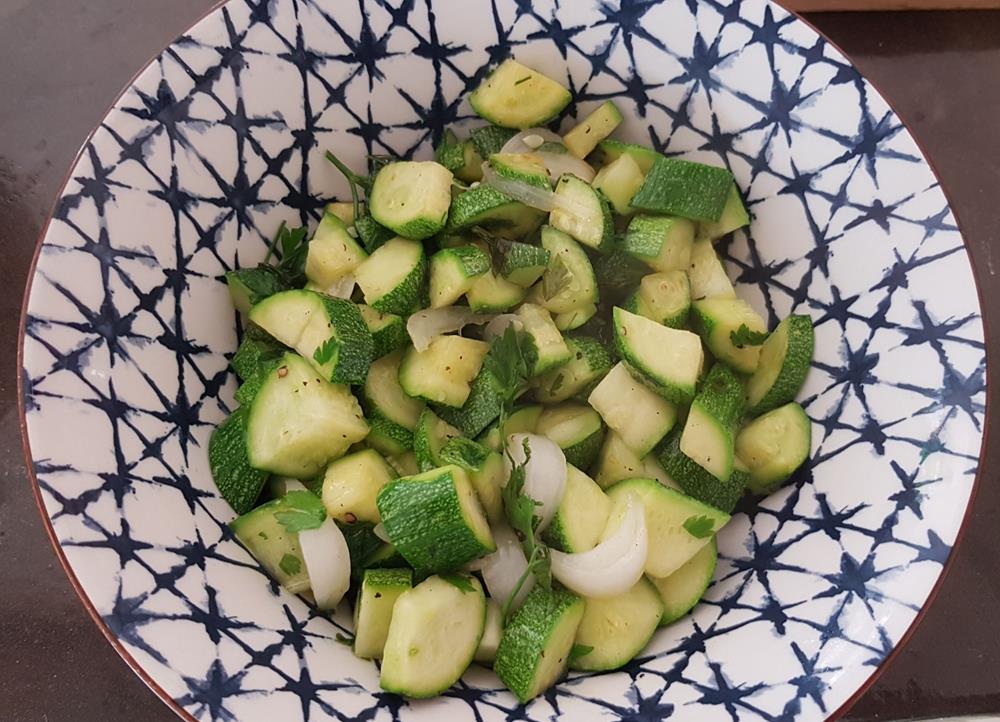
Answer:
(128, 328)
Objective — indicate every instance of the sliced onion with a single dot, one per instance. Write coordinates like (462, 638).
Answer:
(614, 565)
(425, 325)
(503, 569)
(498, 326)
(517, 145)
(343, 288)
(379, 531)
(544, 472)
(328, 563)
(558, 164)
(544, 199)
(293, 484)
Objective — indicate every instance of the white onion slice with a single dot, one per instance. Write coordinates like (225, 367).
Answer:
(559, 164)
(498, 326)
(328, 563)
(342, 288)
(544, 473)
(517, 145)
(544, 199)
(503, 569)
(379, 531)
(614, 565)
(425, 325)
(293, 485)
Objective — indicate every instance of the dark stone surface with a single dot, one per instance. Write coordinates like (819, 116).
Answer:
(62, 64)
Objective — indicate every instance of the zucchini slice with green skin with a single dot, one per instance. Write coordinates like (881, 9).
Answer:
(429, 438)
(720, 321)
(450, 152)
(387, 329)
(352, 483)
(435, 520)
(515, 96)
(237, 481)
(782, 367)
(610, 150)
(708, 277)
(493, 294)
(668, 360)
(487, 650)
(662, 297)
(250, 286)
(581, 516)
(344, 210)
(546, 347)
(329, 332)
(386, 437)
(572, 320)
(525, 168)
(689, 477)
(734, 215)
(675, 187)
(678, 525)
(616, 462)
(453, 272)
(707, 438)
(256, 349)
(298, 422)
(384, 394)
(521, 263)
(590, 131)
(685, 587)
(380, 588)
(274, 547)
(485, 206)
(576, 428)
(589, 362)
(535, 646)
(485, 469)
(392, 278)
(661, 242)
(490, 139)
(479, 410)
(333, 253)
(774, 445)
(584, 213)
(615, 629)
(434, 634)
(568, 283)
(632, 410)
(444, 371)
(411, 198)
(522, 420)
(371, 233)
(619, 181)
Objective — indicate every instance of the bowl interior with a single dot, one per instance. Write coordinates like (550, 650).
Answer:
(128, 328)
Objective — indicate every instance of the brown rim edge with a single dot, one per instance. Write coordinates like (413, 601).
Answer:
(976, 482)
(169, 701)
(102, 626)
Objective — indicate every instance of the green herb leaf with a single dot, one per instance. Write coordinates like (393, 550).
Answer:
(457, 580)
(557, 278)
(345, 639)
(580, 650)
(700, 527)
(294, 247)
(290, 564)
(353, 181)
(507, 363)
(743, 336)
(299, 511)
(325, 352)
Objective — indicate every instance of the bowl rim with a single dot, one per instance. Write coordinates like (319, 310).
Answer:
(169, 700)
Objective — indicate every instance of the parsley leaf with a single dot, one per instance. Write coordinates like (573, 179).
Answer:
(290, 564)
(457, 580)
(700, 527)
(507, 364)
(345, 639)
(557, 278)
(294, 247)
(299, 511)
(743, 336)
(580, 650)
(325, 352)
(353, 181)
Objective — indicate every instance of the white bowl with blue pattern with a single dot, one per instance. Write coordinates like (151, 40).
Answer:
(222, 136)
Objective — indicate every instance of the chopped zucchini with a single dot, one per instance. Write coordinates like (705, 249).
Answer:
(522, 420)
(525, 168)
(444, 371)
(569, 283)
(597, 126)
(734, 215)
(387, 329)
(783, 365)
(581, 516)
(392, 278)
(429, 437)
(582, 212)
(272, 545)
(520, 263)
(588, 364)
(619, 181)
(610, 150)
(661, 242)
(639, 416)
(237, 481)
(615, 629)
(515, 96)
(774, 445)
(617, 462)
(351, 485)
(454, 271)
(707, 438)
(487, 650)
(546, 347)
(250, 286)
(576, 429)
(493, 294)
(333, 253)
(662, 297)
(490, 139)
(479, 410)
(677, 187)
(687, 476)
(668, 360)
(685, 587)
(731, 330)
(485, 469)
(411, 198)
(380, 588)
(708, 277)
(485, 206)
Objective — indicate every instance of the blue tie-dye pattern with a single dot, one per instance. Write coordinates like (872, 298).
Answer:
(163, 127)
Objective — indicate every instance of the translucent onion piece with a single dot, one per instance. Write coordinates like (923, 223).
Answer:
(328, 563)
(614, 565)
(517, 145)
(498, 326)
(544, 473)
(543, 199)
(503, 568)
(425, 325)
(379, 531)
(560, 163)
(343, 288)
